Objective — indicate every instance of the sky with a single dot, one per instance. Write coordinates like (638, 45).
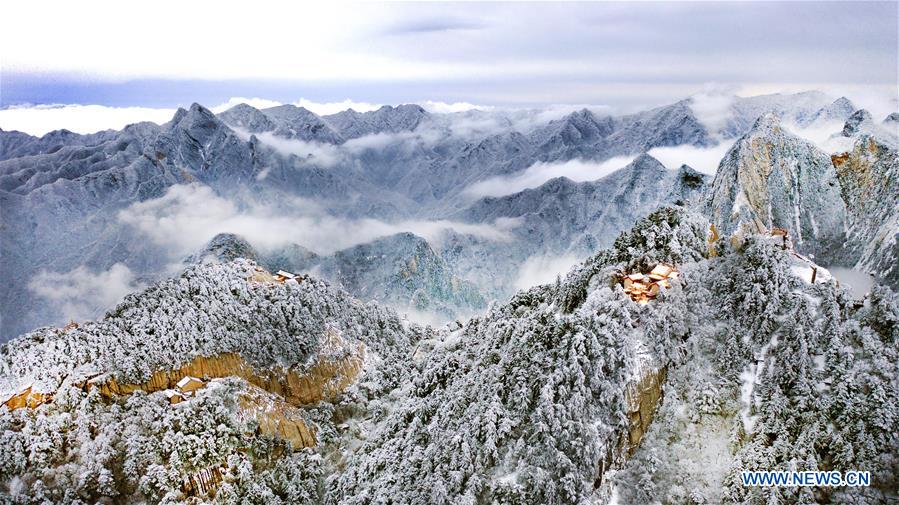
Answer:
(145, 60)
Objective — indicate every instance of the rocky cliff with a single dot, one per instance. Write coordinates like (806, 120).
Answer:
(869, 182)
(771, 178)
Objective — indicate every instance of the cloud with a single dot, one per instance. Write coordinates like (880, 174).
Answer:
(259, 103)
(825, 135)
(83, 293)
(447, 108)
(538, 270)
(377, 141)
(314, 153)
(320, 108)
(41, 119)
(423, 136)
(325, 155)
(702, 159)
(858, 283)
(186, 217)
(475, 123)
(431, 25)
(263, 174)
(551, 51)
(540, 172)
(712, 107)
(324, 109)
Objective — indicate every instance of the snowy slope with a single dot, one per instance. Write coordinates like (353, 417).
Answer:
(400, 271)
(530, 403)
(566, 218)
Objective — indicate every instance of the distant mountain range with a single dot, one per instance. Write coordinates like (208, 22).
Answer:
(92, 202)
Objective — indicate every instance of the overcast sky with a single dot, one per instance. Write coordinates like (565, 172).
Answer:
(166, 54)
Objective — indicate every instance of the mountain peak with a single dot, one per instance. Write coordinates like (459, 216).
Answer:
(290, 121)
(858, 121)
(242, 108)
(646, 162)
(224, 247)
(838, 110)
(386, 119)
(195, 113)
(766, 122)
(772, 178)
(246, 116)
(580, 116)
(289, 111)
(178, 116)
(843, 102)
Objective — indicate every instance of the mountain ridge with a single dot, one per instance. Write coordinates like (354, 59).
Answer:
(61, 209)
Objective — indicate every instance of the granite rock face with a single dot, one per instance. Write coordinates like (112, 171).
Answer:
(771, 178)
(869, 182)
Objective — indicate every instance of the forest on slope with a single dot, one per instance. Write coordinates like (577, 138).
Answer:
(525, 404)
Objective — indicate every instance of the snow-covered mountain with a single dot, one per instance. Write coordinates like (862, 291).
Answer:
(839, 110)
(773, 179)
(400, 271)
(387, 119)
(566, 218)
(801, 108)
(87, 203)
(869, 182)
(570, 392)
(17, 144)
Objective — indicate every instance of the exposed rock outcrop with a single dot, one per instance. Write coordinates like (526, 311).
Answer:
(322, 381)
(27, 398)
(869, 182)
(276, 417)
(642, 396)
(773, 179)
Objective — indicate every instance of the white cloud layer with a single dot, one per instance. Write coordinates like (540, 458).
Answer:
(538, 270)
(41, 119)
(540, 172)
(317, 153)
(83, 293)
(326, 108)
(188, 216)
(259, 103)
(701, 159)
(325, 155)
(825, 135)
(712, 107)
(447, 108)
